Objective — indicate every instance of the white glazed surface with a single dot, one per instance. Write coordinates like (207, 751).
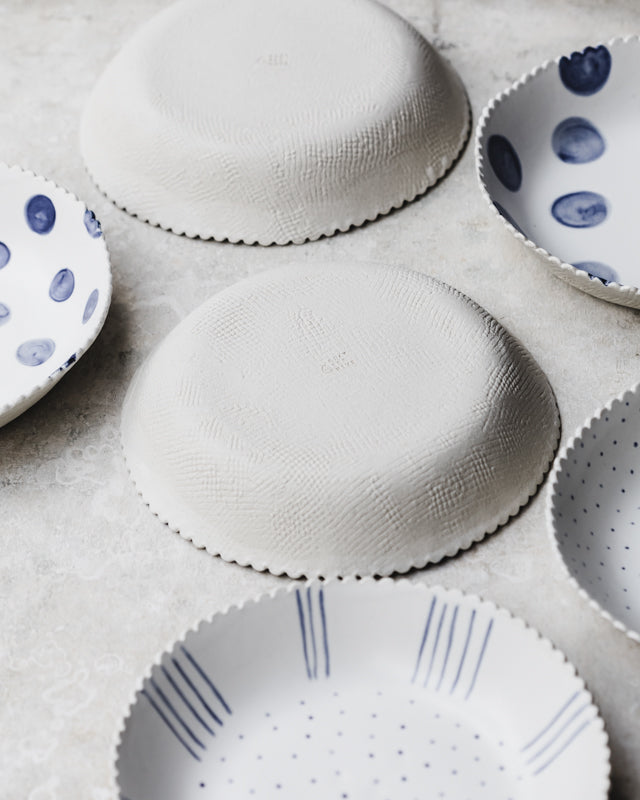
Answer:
(338, 419)
(294, 134)
(594, 512)
(55, 286)
(597, 153)
(363, 690)
(92, 586)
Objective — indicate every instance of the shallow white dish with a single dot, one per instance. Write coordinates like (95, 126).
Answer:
(55, 286)
(336, 419)
(594, 511)
(358, 690)
(557, 157)
(260, 121)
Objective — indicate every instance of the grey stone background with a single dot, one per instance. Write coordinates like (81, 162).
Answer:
(92, 585)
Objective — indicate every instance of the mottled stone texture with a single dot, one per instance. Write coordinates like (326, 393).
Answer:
(92, 585)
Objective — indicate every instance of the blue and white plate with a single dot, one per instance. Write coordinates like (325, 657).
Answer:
(594, 511)
(363, 689)
(557, 157)
(55, 286)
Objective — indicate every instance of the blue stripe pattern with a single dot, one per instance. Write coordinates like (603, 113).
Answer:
(311, 618)
(179, 692)
(456, 643)
(556, 735)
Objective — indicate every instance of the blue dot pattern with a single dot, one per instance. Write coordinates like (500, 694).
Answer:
(575, 140)
(62, 286)
(5, 255)
(596, 511)
(90, 306)
(587, 72)
(505, 162)
(92, 225)
(40, 214)
(35, 352)
(599, 271)
(5, 313)
(580, 209)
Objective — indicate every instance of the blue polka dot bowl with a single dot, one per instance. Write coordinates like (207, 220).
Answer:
(55, 286)
(557, 157)
(593, 511)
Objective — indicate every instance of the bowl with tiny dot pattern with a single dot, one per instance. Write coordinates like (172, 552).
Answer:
(557, 159)
(362, 690)
(593, 511)
(55, 286)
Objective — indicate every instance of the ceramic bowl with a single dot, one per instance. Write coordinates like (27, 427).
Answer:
(336, 419)
(261, 122)
(594, 512)
(557, 157)
(55, 286)
(362, 689)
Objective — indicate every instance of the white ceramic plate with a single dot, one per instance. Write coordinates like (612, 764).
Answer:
(55, 286)
(594, 510)
(363, 690)
(262, 122)
(557, 157)
(338, 419)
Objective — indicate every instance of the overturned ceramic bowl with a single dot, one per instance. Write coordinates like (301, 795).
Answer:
(55, 286)
(338, 419)
(262, 122)
(594, 511)
(557, 157)
(360, 689)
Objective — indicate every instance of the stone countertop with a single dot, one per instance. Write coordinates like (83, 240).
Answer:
(92, 585)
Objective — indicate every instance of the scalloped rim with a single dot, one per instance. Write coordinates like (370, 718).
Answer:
(24, 401)
(405, 566)
(533, 633)
(433, 176)
(618, 293)
(560, 463)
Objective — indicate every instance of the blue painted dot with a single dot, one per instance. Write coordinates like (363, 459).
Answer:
(503, 211)
(598, 270)
(92, 225)
(90, 307)
(580, 209)
(505, 162)
(587, 72)
(577, 141)
(5, 313)
(35, 352)
(62, 286)
(5, 255)
(41, 214)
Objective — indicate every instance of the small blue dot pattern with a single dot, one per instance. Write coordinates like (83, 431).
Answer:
(62, 285)
(92, 224)
(40, 214)
(580, 209)
(5, 313)
(35, 352)
(505, 162)
(596, 510)
(90, 306)
(575, 140)
(587, 72)
(5, 255)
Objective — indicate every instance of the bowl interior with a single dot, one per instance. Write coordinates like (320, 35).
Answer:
(55, 286)
(560, 159)
(595, 510)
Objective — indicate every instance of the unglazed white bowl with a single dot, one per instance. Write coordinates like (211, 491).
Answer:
(557, 157)
(272, 121)
(359, 690)
(55, 286)
(335, 419)
(594, 511)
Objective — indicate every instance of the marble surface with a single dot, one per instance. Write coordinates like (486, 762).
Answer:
(92, 585)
